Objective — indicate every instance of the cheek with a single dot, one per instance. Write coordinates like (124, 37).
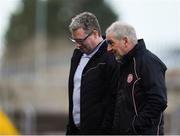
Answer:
(89, 45)
(116, 47)
(119, 50)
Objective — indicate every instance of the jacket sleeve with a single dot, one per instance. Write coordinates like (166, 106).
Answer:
(153, 83)
(111, 78)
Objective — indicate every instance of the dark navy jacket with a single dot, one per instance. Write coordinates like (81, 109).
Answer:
(96, 94)
(141, 96)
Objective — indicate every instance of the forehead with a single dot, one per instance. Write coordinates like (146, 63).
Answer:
(110, 36)
(77, 32)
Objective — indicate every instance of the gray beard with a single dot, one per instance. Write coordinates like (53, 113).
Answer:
(118, 57)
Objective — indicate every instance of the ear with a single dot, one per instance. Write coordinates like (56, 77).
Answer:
(96, 33)
(125, 41)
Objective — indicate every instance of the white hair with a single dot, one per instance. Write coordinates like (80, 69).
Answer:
(122, 29)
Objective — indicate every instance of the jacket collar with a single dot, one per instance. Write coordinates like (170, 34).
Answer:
(138, 47)
(101, 50)
(77, 54)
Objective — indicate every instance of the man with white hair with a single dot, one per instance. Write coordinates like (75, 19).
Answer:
(141, 96)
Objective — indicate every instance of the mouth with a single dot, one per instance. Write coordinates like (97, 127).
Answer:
(112, 51)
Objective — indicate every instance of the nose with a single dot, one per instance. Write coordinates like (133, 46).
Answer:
(77, 45)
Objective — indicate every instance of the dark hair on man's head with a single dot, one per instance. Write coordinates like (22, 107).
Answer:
(87, 21)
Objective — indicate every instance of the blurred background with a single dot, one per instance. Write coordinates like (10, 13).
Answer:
(35, 56)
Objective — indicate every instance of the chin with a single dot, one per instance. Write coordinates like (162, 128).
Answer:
(118, 57)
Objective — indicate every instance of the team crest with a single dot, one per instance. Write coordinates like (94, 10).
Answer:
(130, 78)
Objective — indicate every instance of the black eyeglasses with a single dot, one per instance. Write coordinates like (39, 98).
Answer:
(80, 41)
